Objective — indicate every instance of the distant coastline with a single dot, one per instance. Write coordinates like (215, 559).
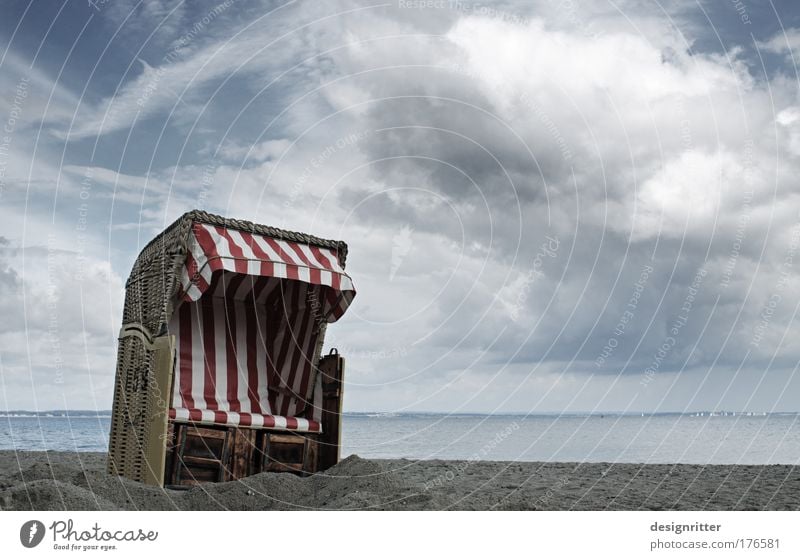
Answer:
(55, 414)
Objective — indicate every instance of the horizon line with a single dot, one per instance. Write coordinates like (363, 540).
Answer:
(472, 413)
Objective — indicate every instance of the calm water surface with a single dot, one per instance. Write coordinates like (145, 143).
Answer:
(650, 439)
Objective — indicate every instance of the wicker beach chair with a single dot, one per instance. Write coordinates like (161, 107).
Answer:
(219, 367)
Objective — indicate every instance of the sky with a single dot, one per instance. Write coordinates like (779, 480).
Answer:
(551, 206)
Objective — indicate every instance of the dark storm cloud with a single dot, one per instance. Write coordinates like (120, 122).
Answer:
(624, 198)
(539, 196)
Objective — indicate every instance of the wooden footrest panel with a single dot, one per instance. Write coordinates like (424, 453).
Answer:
(196, 455)
(287, 453)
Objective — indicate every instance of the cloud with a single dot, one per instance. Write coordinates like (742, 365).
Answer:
(268, 149)
(61, 314)
(619, 145)
(503, 183)
(622, 145)
(175, 83)
(34, 93)
(787, 43)
(163, 18)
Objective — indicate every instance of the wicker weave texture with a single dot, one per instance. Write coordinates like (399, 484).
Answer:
(150, 296)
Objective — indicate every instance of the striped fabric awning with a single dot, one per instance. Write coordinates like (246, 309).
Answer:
(214, 248)
(247, 327)
(247, 420)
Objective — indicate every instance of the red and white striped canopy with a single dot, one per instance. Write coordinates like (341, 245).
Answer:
(247, 328)
(214, 248)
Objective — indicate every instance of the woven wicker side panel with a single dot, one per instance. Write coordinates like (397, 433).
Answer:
(116, 459)
(139, 419)
(129, 415)
(149, 291)
(151, 286)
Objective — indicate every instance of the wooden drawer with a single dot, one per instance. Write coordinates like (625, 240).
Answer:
(286, 453)
(199, 455)
(196, 455)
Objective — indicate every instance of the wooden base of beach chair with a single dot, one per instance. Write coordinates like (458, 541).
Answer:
(197, 454)
(201, 454)
(282, 452)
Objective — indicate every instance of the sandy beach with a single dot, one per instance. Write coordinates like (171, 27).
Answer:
(77, 481)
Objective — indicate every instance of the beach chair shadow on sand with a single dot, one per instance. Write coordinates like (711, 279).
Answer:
(220, 373)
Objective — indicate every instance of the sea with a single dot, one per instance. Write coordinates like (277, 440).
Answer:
(698, 438)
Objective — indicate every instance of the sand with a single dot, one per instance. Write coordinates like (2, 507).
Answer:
(77, 481)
